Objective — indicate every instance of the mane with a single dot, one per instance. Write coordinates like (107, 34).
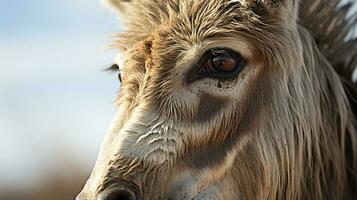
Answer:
(331, 23)
(329, 26)
(311, 151)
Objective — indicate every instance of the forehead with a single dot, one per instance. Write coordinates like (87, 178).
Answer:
(187, 22)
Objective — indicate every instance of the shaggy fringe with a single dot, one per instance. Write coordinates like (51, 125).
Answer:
(332, 24)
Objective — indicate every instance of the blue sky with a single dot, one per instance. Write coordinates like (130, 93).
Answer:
(52, 17)
(55, 99)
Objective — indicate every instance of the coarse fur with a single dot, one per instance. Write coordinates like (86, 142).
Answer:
(283, 129)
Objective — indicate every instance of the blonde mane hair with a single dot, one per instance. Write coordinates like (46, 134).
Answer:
(312, 152)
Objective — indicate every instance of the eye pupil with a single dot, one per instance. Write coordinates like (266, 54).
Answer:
(224, 63)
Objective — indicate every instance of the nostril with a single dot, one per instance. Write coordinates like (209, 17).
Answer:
(120, 195)
(121, 190)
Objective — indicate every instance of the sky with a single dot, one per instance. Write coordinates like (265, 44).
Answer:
(55, 97)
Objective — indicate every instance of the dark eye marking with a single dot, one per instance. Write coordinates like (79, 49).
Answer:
(219, 63)
(115, 68)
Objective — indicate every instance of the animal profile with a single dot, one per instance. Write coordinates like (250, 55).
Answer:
(231, 100)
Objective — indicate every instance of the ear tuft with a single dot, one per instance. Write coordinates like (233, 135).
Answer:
(118, 5)
(286, 8)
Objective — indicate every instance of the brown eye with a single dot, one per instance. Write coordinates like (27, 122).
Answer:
(220, 63)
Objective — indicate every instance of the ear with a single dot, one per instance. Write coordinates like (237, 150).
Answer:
(118, 5)
(127, 8)
(287, 9)
(130, 10)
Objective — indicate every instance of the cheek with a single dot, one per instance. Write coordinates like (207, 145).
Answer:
(204, 173)
(207, 104)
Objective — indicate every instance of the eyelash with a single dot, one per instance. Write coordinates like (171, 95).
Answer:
(116, 68)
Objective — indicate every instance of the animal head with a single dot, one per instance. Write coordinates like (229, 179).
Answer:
(223, 99)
